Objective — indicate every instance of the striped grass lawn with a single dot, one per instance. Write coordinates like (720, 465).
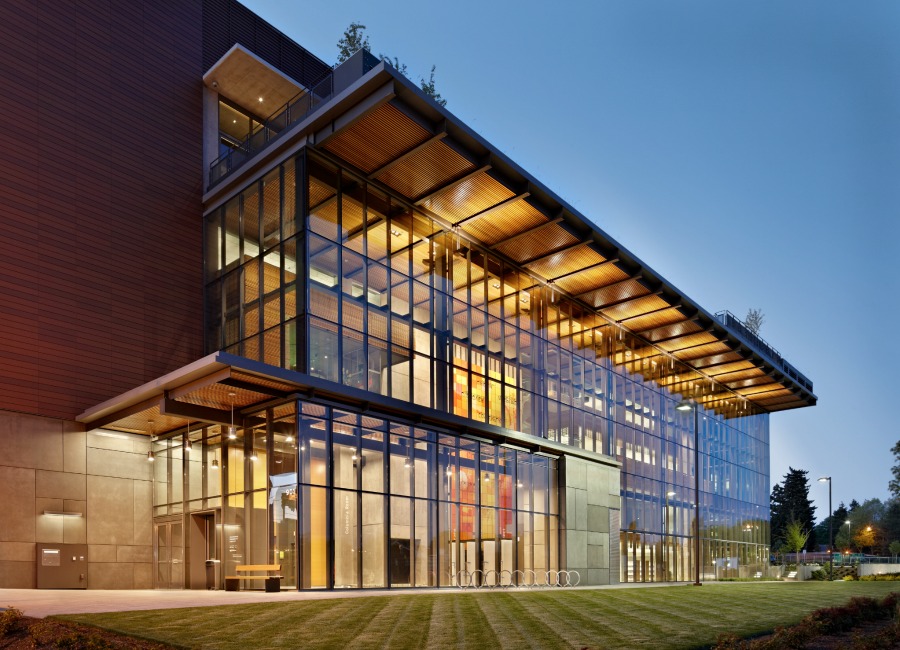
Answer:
(659, 617)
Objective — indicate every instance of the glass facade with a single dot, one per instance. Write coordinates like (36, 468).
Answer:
(341, 499)
(314, 269)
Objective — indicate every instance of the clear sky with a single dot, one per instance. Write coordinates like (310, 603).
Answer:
(748, 151)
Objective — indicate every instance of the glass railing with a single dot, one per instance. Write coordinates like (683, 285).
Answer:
(295, 110)
(756, 342)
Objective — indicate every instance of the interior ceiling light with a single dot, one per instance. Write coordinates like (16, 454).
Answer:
(395, 232)
(215, 464)
(232, 433)
(496, 285)
(260, 100)
(187, 438)
(253, 456)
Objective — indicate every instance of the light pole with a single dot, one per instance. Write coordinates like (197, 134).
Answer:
(687, 405)
(830, 534)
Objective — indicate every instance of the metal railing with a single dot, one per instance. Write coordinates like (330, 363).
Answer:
(761, 345)
(295, 110)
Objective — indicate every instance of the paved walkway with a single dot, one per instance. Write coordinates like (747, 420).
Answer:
(47, 602)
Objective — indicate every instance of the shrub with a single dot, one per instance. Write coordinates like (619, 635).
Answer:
(8, 620)
(819, 574)
(825, 621)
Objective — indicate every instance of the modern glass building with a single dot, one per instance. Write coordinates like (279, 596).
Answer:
(423, 368)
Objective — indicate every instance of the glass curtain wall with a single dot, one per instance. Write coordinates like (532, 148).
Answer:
(345, 500)
(393, 303)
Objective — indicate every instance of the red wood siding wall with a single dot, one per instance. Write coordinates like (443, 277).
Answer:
(100, 198)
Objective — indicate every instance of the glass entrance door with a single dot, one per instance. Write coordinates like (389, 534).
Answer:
(168, 554)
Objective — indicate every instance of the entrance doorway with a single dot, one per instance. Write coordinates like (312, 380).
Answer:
(202, 546)
(168, 554)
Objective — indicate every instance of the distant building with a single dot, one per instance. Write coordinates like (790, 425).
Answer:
(356, 339)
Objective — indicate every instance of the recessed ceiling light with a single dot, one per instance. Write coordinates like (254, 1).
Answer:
(395, 232)
(260, 100)
(496, 285)
(234, 121)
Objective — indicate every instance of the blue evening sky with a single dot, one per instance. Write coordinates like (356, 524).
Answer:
(748, 151)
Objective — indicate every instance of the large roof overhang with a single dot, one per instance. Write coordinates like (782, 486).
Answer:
(221, 389)
(387, 131)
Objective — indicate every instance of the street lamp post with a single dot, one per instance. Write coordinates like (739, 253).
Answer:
(830, 533)
(686, 405)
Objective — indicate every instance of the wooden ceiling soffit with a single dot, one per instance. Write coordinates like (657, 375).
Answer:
(537, 242)
(525, 233)
(747, 383)
(669, 330)
(566, 261)
(584, 279)
(494, 209)
(617, 293)
(466, 195)
(773, 389)
(377, 138)
(651, 320)
(516, 215)
(426, 169)
(688, 354)
(203, 382)
(773, 402)
(739, 375)
(679, 343)
(638, 305)
(440, 135)
(678, 333)
(725, 367)
(718, 359)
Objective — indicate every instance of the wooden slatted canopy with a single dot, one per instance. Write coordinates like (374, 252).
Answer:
(417, 151)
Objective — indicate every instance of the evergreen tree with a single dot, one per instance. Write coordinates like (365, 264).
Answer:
(790, 502)
(779, 520)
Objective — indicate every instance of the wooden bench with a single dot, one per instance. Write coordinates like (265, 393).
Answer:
(272, 582)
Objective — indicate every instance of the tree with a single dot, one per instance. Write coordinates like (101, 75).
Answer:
(754, 320)
(778, 515)
(894, 484)
(429, 89)
(353, 40)
(894, 548)
(867, 527)
(839, 518)
(790, 502)
(795, 536)
(842, 540)
(399, 67)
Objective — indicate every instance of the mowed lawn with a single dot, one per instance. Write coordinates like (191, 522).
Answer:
(660, 617)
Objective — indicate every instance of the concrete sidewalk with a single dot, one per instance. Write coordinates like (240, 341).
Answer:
(48, 602)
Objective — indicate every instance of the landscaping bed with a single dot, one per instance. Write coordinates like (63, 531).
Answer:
(18, 632)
